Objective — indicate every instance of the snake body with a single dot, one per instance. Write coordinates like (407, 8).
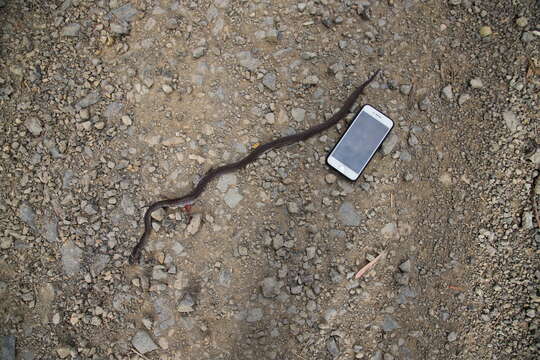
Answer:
(252, 156)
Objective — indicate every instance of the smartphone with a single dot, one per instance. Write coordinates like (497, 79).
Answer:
(357, 146)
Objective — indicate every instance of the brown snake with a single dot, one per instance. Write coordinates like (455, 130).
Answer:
(190, 198)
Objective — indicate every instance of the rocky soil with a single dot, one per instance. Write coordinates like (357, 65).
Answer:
(110, 105)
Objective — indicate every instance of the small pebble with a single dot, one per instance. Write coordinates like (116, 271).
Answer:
(522, 21)
(167, 89)
(198, 52)
(476, 83)
(463, 98)
(447, 93)
(485, 31)
(330, 178)
(405, 89)
(126, 120)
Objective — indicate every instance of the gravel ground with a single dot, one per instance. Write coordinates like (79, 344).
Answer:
(108, 106)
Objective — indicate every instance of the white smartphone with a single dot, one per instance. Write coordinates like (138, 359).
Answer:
(357, 146)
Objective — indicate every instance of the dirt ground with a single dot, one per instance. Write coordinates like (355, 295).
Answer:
(108, 106)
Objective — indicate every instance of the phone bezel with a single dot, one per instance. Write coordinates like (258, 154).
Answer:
(343, 168)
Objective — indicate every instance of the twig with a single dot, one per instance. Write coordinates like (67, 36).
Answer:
(369, 266)
(138, 353)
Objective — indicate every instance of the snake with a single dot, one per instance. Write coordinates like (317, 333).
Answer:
(190, 198)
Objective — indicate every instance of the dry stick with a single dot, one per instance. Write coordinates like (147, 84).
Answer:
(138, 353)
(369, 266)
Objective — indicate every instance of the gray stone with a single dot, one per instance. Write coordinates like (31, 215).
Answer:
(405, 89)
(452, 336)
(67, 179)
(528, 36)
(125, 13)
(277, 242)
(308, 55)
(158, 215)
(511, 121)
(100, 261)
(246, 59)
(292, 208)
(71, 30)
(348, 215)
(389, 144)
(171, 24)
(310, 252)
(7, 347)
(522, 21)
(143, 342)
(476, 83)
(413, 140)
(34, 126)
(27, 215)
(405, 292)
(232, 197)
(64, 351)
(463, 98)
(424, 104)
(405, 266)
(127, 205)
(454, 2)
(121, 27)
(330, 178)
(254, 315)
(194, 224)
(26, 354)
(186, 305)
(270, 287)
(51, 229)
(311, 80)
(527, 220)
(226, 181)
(402, 278)
(447, 93)
(113, 109)
(405, 156)
(272, 36)
(71, 258)
(222, 4)
(332, 347)
(88, 100)
(159, 273)
(298, 114)
(5, 243)
(269, 80)
(389, 230)
(167, 89)
(535, 159)
(198, 52)
(389, 324)
(225, 277)
(164, 318)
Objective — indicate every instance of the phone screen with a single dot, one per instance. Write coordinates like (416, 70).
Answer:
(360, 142)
